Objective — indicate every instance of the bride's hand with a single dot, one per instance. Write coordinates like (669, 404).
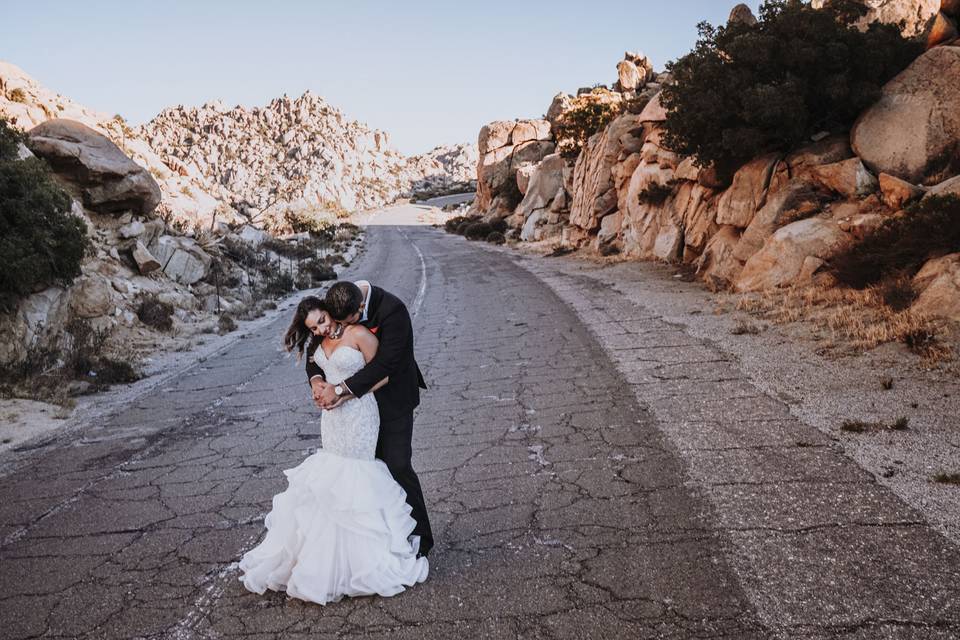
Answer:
(319, 386)
(339, 402)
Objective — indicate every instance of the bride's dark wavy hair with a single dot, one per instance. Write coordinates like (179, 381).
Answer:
(297, 334)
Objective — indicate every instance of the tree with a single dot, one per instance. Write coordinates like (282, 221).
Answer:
(41, 242)
(746, 89)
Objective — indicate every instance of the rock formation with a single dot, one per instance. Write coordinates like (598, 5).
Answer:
(107, 179)
(299, 153)
(25, 103)
(781, 219)
(913, 131)
(444, 170)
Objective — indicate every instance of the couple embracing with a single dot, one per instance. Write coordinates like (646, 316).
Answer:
(352, 520)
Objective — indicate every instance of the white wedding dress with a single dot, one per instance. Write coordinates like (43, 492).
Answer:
(342, 526)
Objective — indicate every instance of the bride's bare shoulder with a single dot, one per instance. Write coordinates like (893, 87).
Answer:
(359, 332)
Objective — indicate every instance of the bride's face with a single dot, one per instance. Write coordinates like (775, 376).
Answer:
(319, 323)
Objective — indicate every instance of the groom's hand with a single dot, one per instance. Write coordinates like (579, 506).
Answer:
(328, 398)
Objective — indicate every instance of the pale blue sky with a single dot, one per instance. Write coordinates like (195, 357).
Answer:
(427, 72)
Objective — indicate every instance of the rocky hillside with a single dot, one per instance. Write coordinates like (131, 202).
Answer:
(219, 164)
(444, 170)
(782, 218)
(295, 153)
(26, 103)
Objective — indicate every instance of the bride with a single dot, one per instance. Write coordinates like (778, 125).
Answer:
(342, 526)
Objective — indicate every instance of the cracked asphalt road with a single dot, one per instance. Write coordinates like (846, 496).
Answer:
(565, 500)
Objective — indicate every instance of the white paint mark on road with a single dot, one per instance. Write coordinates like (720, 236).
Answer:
(422, 291)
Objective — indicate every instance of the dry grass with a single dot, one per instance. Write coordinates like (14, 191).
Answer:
(851, 320)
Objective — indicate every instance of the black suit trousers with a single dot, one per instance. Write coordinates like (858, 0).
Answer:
(395, 448)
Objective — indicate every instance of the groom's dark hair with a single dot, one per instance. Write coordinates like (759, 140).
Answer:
(343, 299)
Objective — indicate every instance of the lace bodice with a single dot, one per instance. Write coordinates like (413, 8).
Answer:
(350, 430)
(342, 363)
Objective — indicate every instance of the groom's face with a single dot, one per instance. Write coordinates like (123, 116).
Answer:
(353, 318)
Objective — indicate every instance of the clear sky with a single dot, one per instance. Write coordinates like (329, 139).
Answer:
(427, 72)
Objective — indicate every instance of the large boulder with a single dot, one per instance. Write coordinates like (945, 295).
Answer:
(35, 322)
(849, 178)
(628, 75)
(748, 192)
(897, 193)
(108, 181)
(913, 131)
(939, 285)
(945, 188)
(546, 180)
(717, 265)
(917, 16)
(772, 215)
(505, 147)
(742, 14)
(181, 258)
(793, 254)
(594, 191)
(91, 297)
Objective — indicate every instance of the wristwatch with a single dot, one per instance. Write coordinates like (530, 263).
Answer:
(339, 390)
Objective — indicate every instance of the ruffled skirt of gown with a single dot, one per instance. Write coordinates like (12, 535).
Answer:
(342, 527)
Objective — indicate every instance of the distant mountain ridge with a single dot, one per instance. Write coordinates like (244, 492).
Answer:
(294, 153)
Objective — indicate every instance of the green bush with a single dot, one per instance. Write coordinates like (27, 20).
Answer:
(576, 126)
(41, 242)
(478, 231)
(749, 89)
(902, 244)
(496, 237)
(453, 224)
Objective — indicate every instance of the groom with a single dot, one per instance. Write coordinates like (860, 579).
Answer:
(386, 316)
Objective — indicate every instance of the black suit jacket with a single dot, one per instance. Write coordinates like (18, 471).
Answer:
(389, 320)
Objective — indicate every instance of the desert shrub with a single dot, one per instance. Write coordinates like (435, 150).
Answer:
(897, 291)
(317, 223)
(277, 283)
(657, 193)
(576, 126)
(902, 243)
(318, 270)
(496, 237)
(291, 250)
(226, 324)
(748, 89)
(41, 242)
(478, 231)
(155, 313)
(86, 358)
(453, 224)
(17, 95)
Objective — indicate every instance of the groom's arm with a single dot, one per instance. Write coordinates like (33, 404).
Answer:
(314, 370)
(397, 332)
